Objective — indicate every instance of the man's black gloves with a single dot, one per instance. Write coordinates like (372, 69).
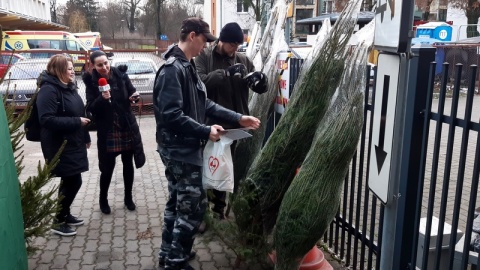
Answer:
(257, 81)
(237, 70)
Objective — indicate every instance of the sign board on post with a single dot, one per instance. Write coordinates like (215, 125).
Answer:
(383, 124)
(283, 70)
(393, 23)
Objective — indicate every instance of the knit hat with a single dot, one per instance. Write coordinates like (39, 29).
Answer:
(198, 26)
(94, 55)
(231, 33)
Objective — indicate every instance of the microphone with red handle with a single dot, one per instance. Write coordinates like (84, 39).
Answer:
(104, 86)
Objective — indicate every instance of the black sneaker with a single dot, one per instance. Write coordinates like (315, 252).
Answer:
(63, 229)
(161, 259)
(73, 221)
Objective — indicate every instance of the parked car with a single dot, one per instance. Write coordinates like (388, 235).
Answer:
(21, 81)
(6, 60)
(141, 71)
(242, 48)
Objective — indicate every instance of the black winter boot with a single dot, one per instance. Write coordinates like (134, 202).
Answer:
(104, 207)
(129, 202)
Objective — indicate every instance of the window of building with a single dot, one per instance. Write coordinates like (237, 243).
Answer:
(304, 2)
(300, 15)
(327, 6)
(242, 6)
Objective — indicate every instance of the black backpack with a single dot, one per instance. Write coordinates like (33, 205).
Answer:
(32, 125)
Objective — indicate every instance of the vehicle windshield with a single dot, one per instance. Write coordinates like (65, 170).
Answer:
(25, 71)
(138, 67)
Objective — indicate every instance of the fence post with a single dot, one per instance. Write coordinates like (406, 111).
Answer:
(401, 219)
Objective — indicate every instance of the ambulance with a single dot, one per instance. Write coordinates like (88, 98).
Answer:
(28, 40)
(93, 42)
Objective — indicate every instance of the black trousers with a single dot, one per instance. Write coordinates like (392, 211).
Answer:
(107, 165)
(69, 187)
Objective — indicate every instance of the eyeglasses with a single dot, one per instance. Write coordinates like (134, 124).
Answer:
(233, 44)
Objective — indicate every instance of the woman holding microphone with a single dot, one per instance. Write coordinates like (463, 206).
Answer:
(117, 128)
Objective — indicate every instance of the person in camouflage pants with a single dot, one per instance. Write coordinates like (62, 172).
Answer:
(181, 107)
(187, 201)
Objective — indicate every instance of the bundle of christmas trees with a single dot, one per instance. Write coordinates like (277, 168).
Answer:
(322, 146)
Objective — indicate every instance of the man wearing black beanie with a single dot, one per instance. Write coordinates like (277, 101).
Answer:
(228, 76)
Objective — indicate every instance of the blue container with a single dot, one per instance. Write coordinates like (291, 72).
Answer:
(441, 32)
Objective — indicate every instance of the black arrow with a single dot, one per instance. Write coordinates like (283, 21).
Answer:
(379, 152)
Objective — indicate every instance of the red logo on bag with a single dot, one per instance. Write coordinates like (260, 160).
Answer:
(213, 164)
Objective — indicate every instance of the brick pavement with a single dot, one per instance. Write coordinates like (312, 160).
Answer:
(123, 239)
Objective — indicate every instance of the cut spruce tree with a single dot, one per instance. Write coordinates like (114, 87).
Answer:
(312, 200)
(38, 196)
(261, 193)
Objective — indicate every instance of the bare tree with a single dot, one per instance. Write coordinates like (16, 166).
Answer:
(111, 19)
(77, 22)
(131, 9)
(53, 10)
(472, 11)
(146, 18)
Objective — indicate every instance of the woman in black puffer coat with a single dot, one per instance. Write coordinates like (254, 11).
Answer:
(61, 114)
(117, 129)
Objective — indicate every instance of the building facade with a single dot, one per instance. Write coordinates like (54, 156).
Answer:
(27, 15)
(217, 13)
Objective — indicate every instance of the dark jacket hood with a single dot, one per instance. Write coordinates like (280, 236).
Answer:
(45, 77)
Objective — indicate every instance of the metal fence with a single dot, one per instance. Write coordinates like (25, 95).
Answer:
(355, 234)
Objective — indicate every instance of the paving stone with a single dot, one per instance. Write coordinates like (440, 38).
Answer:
(118, 231)
(42, 267)
(146, 250)
(132, 258)
(106, 237)
(32, 262)
(93, 234)
(76, 253)
(131, 224)
(221, 260)
(47, 256)
(132, 246)
(60, 262)
(147, 263)
(118, 254)
(215, 247)
(203, 255)
(92, 245)
(208, 265)
(88, 258)
(52, 244)
(73, 264)
(117, 265)
(79, 241)
(118, 241)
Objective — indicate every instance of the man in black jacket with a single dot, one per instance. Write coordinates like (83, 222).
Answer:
(181, 107)
(224, 72)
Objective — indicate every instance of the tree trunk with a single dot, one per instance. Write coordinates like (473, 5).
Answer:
(158, 7)
(472, 20)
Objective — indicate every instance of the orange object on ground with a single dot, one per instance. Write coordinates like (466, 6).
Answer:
(314, 260)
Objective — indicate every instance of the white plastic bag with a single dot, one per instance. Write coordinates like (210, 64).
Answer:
(218, 165)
